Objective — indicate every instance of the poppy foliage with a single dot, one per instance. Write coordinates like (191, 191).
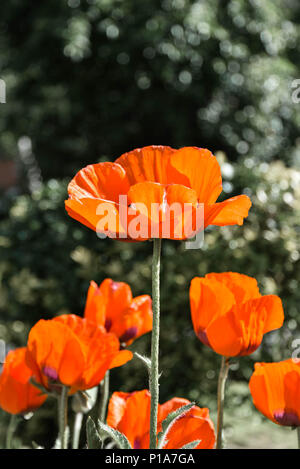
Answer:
(275, 390)
(72, 351)
(17, 394)
(129, 413)
(141, 186)
(112, 305)
(230, 315)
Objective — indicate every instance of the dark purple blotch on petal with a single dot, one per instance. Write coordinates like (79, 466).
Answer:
(51, 373)
(107, 324)
(288, 418)
(129, 334)
(137, 444)
(203, 337)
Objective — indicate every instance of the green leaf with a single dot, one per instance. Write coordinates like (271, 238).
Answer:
(169, 422)
(93, 438)
(191, 445)
(116, 436)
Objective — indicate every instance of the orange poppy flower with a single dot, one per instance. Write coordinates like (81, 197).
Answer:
(230, 315)
(111, 305)
(275, 389)
(17, 394)
(72, 351)
(158, 187)
(129, 413)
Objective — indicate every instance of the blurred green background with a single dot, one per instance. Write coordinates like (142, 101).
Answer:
(87, 80)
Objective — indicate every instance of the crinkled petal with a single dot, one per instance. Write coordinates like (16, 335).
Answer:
(198, 169)
(147, 164)
(241, 286)
(101, 181)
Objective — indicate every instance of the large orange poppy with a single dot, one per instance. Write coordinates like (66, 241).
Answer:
(275, 389)
(72, 351)
(150, 180)
(17, 394)
(129, 413)
(230, 315)
(111, 305)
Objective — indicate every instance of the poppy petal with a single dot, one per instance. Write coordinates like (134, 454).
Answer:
(232, 211)
(66, 358)
(241, 286)
(116, 408)
(275, 315)
(240, 331)
(100, 349)
(198, 169)
(274, 389)
(73, 351)
(135, 321)
(100, 215)
(224, 334)
(208, 298)
(135, 422)
(116, 297)
(165, 208)
(191, 428)
(17, 394)
(147, 164)
(170, 406)
(95, 306)
(291, 411)
(101, 181)
(121, 358)
(147, 198)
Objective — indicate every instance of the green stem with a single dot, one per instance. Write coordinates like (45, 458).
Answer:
(154, 374)
(221, 395)
(77, 429)
(63, 417)
(10, 431)
(104, 395)
(298, 435)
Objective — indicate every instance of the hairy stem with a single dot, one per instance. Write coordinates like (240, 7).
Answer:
(221, 395)
(77, 429)
(154, 374)
(10, 431)
(63, 417)
(104, 394)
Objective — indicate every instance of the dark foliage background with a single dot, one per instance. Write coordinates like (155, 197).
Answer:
(88, 80)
